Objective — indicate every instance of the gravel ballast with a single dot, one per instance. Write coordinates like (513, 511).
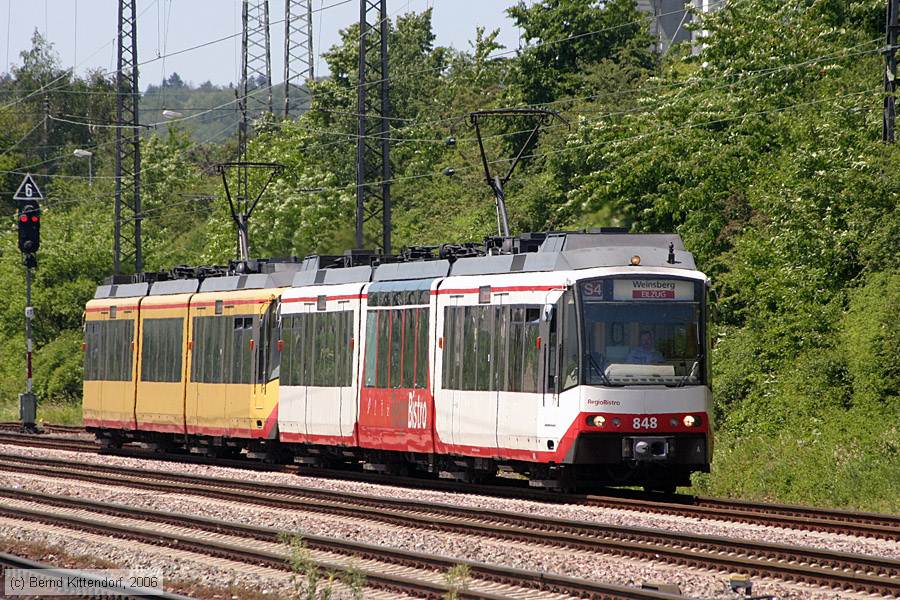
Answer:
(606, 516)
(697, 583)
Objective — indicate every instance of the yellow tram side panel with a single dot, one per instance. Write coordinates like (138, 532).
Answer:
(224, 409)
(160, 406)
(110, 404)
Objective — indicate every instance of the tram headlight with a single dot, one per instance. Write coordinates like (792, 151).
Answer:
(598, 421)
(691, 421)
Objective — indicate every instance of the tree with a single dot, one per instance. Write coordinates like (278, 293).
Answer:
(174, 81)
(565, 37)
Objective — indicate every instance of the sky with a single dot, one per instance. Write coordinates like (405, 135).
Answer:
(83, 32)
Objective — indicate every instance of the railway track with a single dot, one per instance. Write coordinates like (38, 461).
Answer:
(835, 570)
(385, 569)
(872, 525)
(53, 443)
(45, 427)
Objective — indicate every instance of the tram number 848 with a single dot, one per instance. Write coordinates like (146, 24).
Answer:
(645, 423)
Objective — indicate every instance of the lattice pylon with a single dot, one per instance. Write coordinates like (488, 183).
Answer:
(255, 94)
(257, 57)
(373, 164)
(298, 55)
(127, 246)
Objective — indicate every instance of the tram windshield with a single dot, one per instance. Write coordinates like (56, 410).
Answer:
(642, 332)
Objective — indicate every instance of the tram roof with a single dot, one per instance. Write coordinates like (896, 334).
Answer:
(534, 252)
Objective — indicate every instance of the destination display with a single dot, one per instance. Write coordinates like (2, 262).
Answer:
(652, 289)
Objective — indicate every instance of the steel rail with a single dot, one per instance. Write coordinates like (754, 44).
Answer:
(821, 567)
(53, 443)
(46, 427)
(862, 524)
(382, 579)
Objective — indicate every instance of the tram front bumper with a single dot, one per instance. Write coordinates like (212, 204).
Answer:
(648, 448)
(673, 449)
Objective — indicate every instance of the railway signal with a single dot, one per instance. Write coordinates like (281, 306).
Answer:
(28, 219)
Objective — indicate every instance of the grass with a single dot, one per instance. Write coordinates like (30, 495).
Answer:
(847, 459)
(57, 413)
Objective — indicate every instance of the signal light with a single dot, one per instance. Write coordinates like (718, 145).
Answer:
(29, 221)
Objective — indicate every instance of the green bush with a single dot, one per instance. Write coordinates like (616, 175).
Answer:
(870, 337)
(58, 369)
(837, 458)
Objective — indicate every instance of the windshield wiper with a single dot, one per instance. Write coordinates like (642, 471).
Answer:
(696, 365)
(596, 367)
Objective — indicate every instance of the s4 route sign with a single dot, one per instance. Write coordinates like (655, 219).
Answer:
(28, 189)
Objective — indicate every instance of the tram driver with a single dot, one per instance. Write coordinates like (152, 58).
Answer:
(645, 353)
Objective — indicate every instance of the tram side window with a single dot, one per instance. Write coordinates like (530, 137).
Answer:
(497, 346)
(213, 349)
(108, 355)
(287, 354)
(161, 349)
(241, 353)
(473, 340)
(221, 350)
(531, 351)
(569, 342)
(501, 326)
(197, 363)
(292, 356)
(317, 349)
(396, 345)
(344, 348)
(409, 349)
(421, 348)
(450, 366)
(397, 348)
(469, 347)
(91, 351)
(371, 342)
(516, 340)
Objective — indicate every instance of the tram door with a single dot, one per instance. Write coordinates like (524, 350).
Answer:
(454, 347)
(268, 358)
(549, 358)
(499, 357)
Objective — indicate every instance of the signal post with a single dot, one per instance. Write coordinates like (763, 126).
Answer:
(28, 219)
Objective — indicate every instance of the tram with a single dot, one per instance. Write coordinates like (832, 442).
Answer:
(572, 359)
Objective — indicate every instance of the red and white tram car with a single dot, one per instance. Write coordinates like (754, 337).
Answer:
(569, 358)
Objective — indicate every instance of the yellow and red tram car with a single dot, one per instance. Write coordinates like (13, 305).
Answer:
(185, 359)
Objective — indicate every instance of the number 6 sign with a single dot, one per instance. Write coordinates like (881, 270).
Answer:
(28, 190)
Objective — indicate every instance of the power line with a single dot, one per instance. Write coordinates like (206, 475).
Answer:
(68, 72)
(746, 76)
(22, 139)
(591, 144)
